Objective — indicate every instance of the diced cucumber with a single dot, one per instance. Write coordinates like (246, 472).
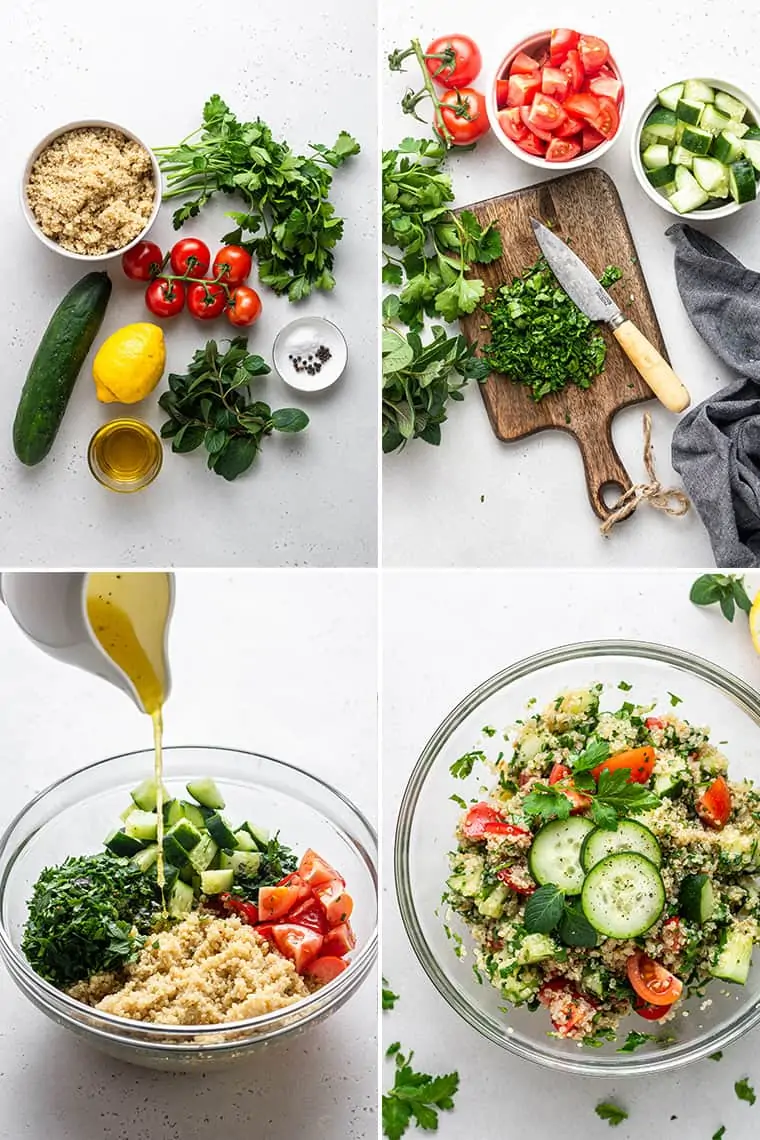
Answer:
(194, 814)
(245, 840)
(244, 862)
(555, 854)
(697, 898)
(187, 873)
(174, 852)
(181, 899)
(752, 132)
(696, 140)
(128, 811)
(171, 874)
(492, 905)
(623, 895)
(172, 812)
(535, 948)
(206, 793)
(669, 96)
(146, 858)
(629, 835)
(663, 176)
(730, 106)
(145, 795)
(656, 156)
(726, 147)
(185, 833)
(743, 188)
(119, 843)
(751, 150)
(467, 875)
(203, 854)
(220, 831)
(142, 824)
(734, 957)
(668, 785)
(682, 157)
(713, 121)
(689, 194)
(647, 138)
(260, 834)
(689, 111)
(699, 91)
(214, 882)
(712, 176)
(592, 981)
(661, 123)
(738, 129)
(680, 128)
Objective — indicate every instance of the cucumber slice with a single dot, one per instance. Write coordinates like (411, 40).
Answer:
(727, 147)
(244, 862)
(689, 194)
(697, 898)
(734, 958)
(656, 156)
(203, 854)
(555, 854)
(119, 843)
(690, 111)
(174, 852)
(194, 814)
(181, 899)
(214, 882)
(220, 831)
(696, 140)
(730, 106)
(663, 176)
(743, 188)
(712, 176)
(682, 157)
(623, 895)
(713, 121)
(206, 793)
(751, 150)
(699, 91)
(669, 96)
(661, 124)
(260, 834)
(172, 812)
(145, 795)
(628, 836)
(142, 824)
(245, 841)
(185, 833)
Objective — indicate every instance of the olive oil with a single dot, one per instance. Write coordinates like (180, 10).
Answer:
(125, 455)
(128, 613)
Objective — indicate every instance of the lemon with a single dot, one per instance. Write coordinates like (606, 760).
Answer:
(129, 364)
(754, 622)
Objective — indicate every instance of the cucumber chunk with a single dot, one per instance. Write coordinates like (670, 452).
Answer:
(244, 862)
(699, 91)
(203, 854)
(668, 785)
(696, 140)
(656, 156)
(245, 841)
(713, 121)
(727, 147)
(119, 843)
(194, 814)
(214, 882)
(689, 194)
(260, 834)
(690, 111)
(681, 157)
(739, 129)
(185, 833)
(730, 106)
(206, 793)
(734, 958)
(555, 854)
(697, 898)
(493, 904)
(743, 188)
(669, 96)
(146, 858)
(220, 831)
(172, 812)
(623, 895)
(145, 795)
(628, 836)
(661, 124)
(751, 150)
(181, 899)
(536, 948)
(664, 176)
(752, 132)
(712, 176)
(142, 824)
(174, 852)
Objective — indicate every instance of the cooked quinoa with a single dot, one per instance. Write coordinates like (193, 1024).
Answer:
(203, 971)
(92, 190)
(708, 858)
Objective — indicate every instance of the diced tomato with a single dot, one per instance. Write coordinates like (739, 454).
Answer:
(590, 139)
(594, 52)
(569, 128)
(555, 82)
(531, 144)
(639, 761)
(673, 936)
(651, 981)
(559, 772)
(654, 722)
(502, 93)
(247, 911)
(483, 820)
(519, 885)
(298, 943)
(581, 105)
(264, 930)
(525, 116)
(339, 941)
(325, 969)
(522, 88)
(546, 114)
(511, 123)
(563, 40)
(523, 64)
(574, 1009)
(650, 1012)
(607, 120)
(606, 85)
(314, 870)
(714, 805)
(573, 69)
(310, 913)
(274, 902)
(562, 150)
(337, 903)
(579, 801)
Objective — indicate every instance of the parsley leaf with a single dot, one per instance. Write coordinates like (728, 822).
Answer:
(625, 686)
(611, 1113)
(635, 1040)
(414, 1095)
(744, 1091)
(389, 998)
(604, 815)
(459, 801)
(614, 791)
(544, 909)
(674, 700)
(462, 767)
(594, 754)
(716, 1056)
(546, 803)
(721, 1132)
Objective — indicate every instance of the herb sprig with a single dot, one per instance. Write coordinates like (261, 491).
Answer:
(547, 910)
(414, 1095)
(726, 589)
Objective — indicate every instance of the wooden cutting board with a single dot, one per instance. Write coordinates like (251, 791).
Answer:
(585, 207)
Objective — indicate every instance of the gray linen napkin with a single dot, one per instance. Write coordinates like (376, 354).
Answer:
(716, 446)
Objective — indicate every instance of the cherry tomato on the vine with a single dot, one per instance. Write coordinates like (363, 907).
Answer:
(165, 298)
(232, 265)
(464, 115)
(461, 52)
(206, 300)
(190, 257)
(143, 261)
(245, 307)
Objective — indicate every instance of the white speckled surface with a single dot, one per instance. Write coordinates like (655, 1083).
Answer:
(296, 676)
(534, 509)
(311, 499)
(491, 621)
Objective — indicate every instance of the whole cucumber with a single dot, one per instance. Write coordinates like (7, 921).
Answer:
(56, 365)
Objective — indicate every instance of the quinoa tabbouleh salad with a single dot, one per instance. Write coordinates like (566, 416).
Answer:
(241, 927)
(611, 869)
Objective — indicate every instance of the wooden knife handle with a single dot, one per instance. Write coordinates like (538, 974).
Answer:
(655, 370)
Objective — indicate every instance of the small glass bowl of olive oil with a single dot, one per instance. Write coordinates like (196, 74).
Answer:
(125, 455)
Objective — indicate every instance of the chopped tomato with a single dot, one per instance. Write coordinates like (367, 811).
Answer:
(523, 64)
(547, 136)
(511, 123)
(654, 722)
(563, 40)
(640, 762)
(562, 150)
(555, 82)
(309, 913)
(502, 93)
(574, 1008)
(337, 903)
(714, 805)
(339, 941)
(569, 128)
(298, 943)
(531, 144)
(325, 969)
(594, 52)
(546, 114)
(579, 801)
(606, 85)
(274, 902)
(573, 69)
(673, 936)
(651, 981)
(559, 772)
(650, 1012)
(517, 883)
(607, 120)
(590, 139)
(581, 105)
(522, 88)
(245, 910)
(482, 820)
(315, 870)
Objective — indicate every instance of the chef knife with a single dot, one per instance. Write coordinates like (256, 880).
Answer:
(582, 287)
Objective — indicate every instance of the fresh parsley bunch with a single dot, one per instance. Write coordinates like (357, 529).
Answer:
(289, 222)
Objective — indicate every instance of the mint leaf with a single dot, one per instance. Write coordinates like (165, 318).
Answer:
(575, 929)
(544, 909)
(611, 1113)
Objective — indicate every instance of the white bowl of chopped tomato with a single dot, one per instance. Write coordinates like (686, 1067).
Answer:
(557, 99)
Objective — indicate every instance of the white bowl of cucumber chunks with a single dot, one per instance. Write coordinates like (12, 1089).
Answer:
(696, 149)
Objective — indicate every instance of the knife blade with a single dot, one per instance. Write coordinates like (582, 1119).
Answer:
(582, 287)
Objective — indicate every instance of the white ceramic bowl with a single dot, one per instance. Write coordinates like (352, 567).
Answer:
(706, 213)
(533, 46)
(32, 221)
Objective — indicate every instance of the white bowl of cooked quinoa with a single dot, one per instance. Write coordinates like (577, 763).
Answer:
(91, 190)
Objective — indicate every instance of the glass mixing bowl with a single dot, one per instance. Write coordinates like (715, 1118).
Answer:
(72, 816)
(427, 819)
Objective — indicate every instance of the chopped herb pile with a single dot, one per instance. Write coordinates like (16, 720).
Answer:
(725, 589)
(415, 1096)
(87, 916)
(276, 862)
(539, 337)
(611, 1113)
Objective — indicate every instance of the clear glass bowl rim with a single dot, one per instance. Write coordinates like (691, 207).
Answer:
(167, 1038)
(623, 1064)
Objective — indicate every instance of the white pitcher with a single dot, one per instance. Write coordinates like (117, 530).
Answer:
(51, 609)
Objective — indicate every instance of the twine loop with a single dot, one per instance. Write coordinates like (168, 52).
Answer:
(671, 501)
